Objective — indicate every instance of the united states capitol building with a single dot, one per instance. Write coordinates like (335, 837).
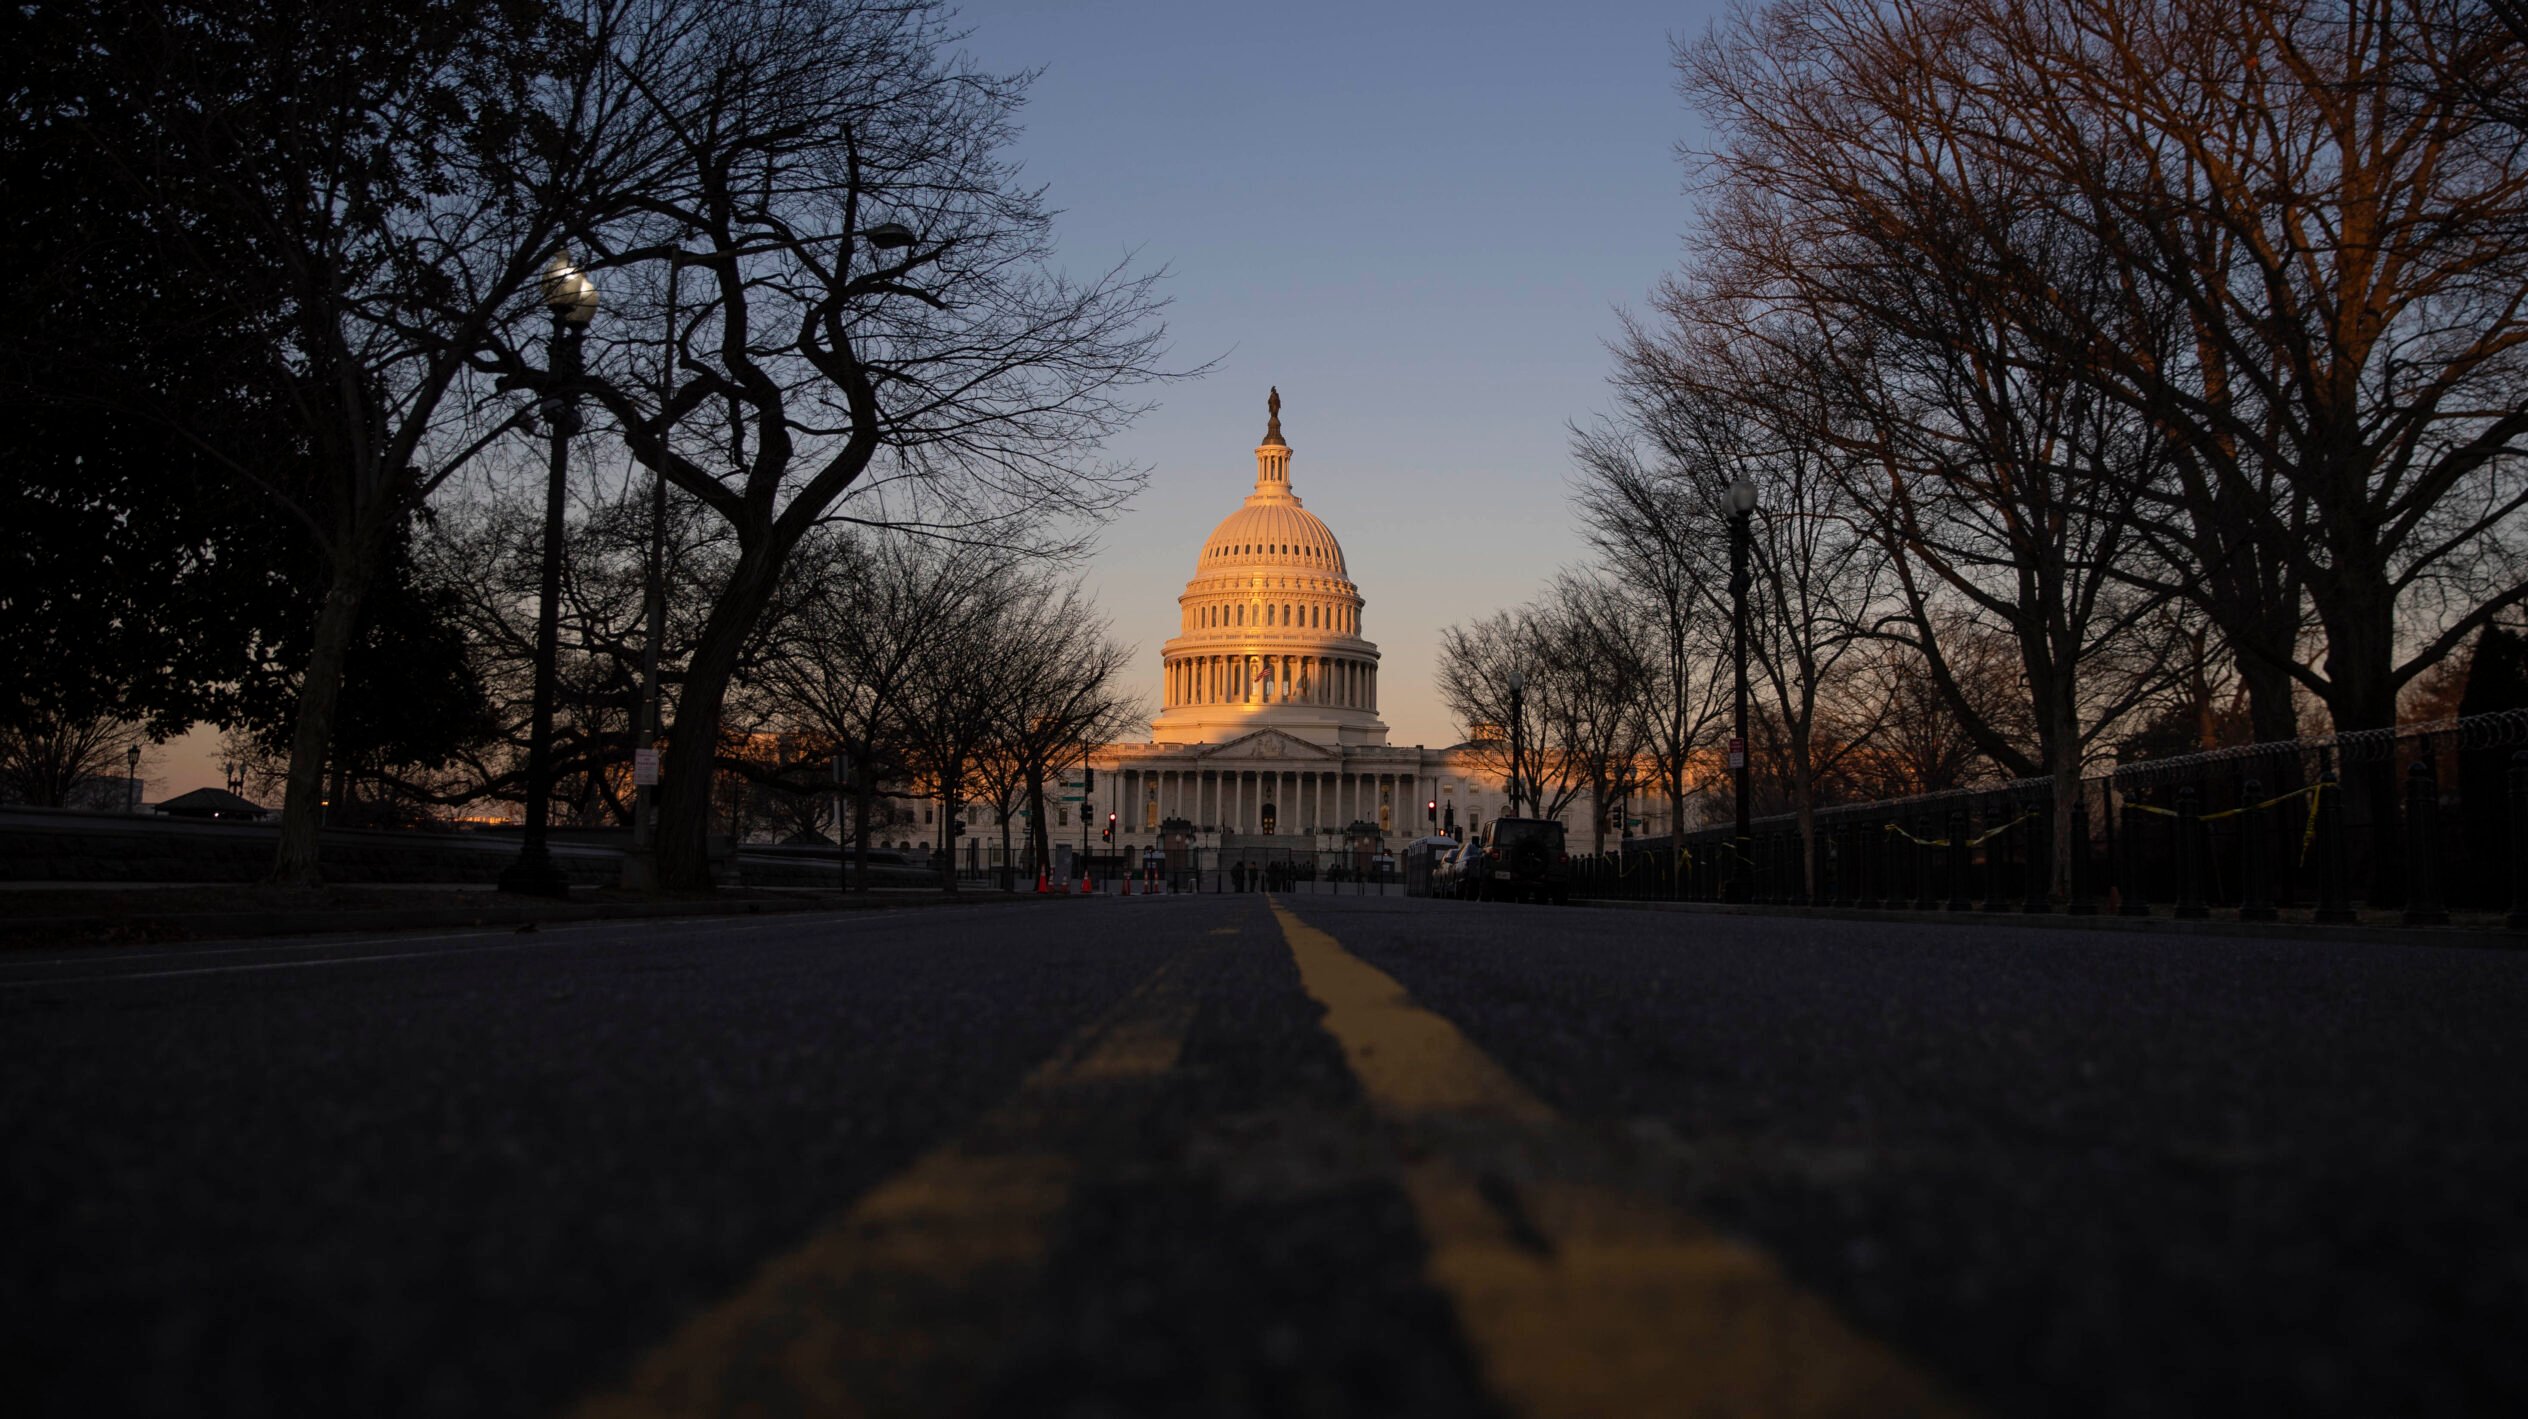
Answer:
(1268, 735)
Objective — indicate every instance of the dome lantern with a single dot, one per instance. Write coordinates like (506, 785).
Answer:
(1272, 456)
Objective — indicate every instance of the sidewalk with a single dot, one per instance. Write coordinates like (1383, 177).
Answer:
(44, 916)
(2482, 930)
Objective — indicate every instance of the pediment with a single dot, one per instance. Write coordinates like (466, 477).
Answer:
(1267, 744)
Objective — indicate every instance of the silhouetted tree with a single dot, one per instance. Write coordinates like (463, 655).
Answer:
(836, 295)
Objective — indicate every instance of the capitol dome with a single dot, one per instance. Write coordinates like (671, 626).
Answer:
(1270, 629)
(1269, 533)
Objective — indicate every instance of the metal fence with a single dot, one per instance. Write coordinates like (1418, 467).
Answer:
(1213, 870)
(2415, 822)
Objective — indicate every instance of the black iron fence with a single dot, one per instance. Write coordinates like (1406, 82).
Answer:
(1246, 868)
(2415, 823)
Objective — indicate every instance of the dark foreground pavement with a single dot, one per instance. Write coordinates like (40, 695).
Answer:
(1199, 1156)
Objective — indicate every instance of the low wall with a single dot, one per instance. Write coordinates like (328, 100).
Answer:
(104, 848)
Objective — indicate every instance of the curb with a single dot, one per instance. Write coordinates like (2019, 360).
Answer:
(2491, 938)
(160, 927)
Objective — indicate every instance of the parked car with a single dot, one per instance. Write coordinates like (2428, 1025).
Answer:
(1448, 875)
(1523, 858)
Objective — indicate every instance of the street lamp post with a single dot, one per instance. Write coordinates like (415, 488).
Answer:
(572, 298)
(1742, 506)
(131, 776)
(640, 866)
(1518, 737)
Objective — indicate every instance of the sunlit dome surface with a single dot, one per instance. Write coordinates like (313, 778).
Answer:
(1271, 532)
(1269, 629)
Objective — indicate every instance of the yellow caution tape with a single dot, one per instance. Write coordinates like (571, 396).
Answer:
(1993, 833)
(1978, 841)
(2308, 834)
(2278, 798)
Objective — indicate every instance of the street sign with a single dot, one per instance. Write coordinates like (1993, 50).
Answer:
(1737, 753)
(645, 768)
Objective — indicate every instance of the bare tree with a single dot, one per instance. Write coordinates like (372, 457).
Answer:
(1061, 696)
(854, 295)
(2000, 477)
(2318, 295)
(879, 608)
(1720, 409)
(49, 757)
(954, 691)
(1596, 676)
(1653, 538)
(1510, 681)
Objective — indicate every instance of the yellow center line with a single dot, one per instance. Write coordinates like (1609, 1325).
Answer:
(1579, 1295)
(896, 1306)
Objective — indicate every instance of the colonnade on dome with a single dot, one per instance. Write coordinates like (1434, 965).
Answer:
(1271, 678)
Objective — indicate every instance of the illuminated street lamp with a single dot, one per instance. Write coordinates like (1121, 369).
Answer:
(1742, 506)
(572, 299)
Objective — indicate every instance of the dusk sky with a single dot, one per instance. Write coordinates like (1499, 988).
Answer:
(1418, 220)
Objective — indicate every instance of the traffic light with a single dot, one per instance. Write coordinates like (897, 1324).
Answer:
(1110, 827)
(1088, 778)
(1433, 808)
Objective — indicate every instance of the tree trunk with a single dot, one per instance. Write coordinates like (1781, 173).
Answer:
(684, 818)
(865, 800)
(2063, 762)
(2273, 713)
(1804, 803)
(319, 696)
(952, 793)
(2361, 694)
(1040, 837)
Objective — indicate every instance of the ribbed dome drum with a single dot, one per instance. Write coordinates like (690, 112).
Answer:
(1270, 630)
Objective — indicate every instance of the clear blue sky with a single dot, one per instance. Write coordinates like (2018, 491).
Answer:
(1417, 219)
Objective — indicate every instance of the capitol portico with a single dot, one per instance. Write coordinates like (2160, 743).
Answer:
(1268, 733)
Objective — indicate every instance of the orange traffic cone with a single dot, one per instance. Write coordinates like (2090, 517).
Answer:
(1043, 887)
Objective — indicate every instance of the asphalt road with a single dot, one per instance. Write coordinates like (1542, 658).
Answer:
(1218, 1156)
